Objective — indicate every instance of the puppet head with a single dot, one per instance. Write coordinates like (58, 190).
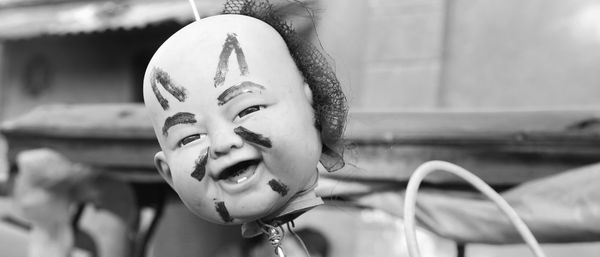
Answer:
(236, 120)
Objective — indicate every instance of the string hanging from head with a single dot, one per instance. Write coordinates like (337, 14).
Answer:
(195, 10)
(275, 234)
(298, 239)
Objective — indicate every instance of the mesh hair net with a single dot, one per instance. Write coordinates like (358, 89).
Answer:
(329, 102)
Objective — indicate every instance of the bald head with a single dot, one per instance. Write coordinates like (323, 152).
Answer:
(210, 52)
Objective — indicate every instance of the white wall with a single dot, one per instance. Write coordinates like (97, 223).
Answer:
(521, 54)
(467, 54)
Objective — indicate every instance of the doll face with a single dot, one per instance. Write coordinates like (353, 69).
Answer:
(233, 118)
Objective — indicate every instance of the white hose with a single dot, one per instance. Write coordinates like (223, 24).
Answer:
(431, 166)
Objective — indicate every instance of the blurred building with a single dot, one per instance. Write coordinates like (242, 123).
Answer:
(389, 54)
(81, 51)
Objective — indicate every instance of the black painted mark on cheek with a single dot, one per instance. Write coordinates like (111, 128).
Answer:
(252, 137)
(231, 43)
(278, 187)
(200, 168)
(222, 210)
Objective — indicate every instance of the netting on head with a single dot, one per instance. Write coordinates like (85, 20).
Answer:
(329, 102)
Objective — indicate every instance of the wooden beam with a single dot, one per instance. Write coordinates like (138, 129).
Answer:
(503, 147)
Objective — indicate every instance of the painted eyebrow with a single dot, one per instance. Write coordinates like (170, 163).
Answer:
(178, 118)
(236, 90)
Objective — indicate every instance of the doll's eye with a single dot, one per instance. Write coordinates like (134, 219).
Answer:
(189, 139)
(250, 110)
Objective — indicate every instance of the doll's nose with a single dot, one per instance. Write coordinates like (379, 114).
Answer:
(223, 142)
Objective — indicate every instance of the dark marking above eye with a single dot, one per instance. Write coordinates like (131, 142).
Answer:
(231, 44)
(161, 77)
(164, 103)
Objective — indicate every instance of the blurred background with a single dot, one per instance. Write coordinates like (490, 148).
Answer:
(390, 55)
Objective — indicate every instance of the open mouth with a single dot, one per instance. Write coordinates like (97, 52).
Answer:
(239, 172)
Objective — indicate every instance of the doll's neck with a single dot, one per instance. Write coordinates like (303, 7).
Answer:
(298, 204)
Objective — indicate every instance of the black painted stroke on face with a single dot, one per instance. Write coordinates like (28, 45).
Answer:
(222, 210)
(161, 77)
(236, 90)
(178, 118)
(278, 187)
(231, 44)
(161, 99)
(200, 168)
(252, 137)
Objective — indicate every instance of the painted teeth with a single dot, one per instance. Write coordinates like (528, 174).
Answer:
(241, 180)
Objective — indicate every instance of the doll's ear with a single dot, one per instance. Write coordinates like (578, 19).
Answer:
(160, 162)
(308, 93)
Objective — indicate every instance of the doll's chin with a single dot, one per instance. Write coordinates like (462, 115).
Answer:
(240, 218)
(236, 219)
(233, 223)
